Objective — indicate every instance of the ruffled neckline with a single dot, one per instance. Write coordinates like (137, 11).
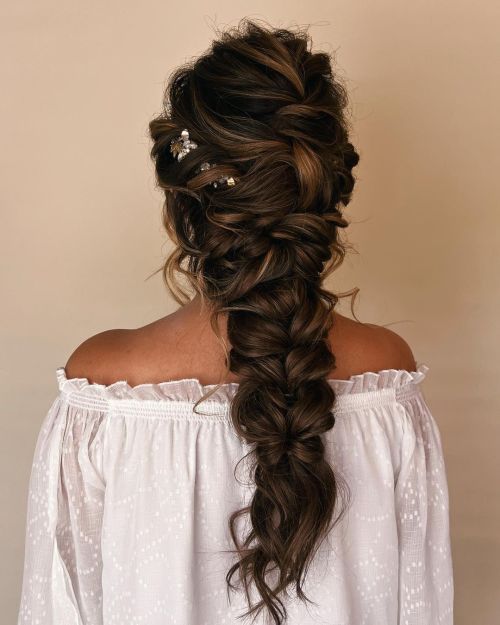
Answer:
(191, 389)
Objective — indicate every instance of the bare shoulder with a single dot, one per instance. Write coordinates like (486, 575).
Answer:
(161, 350)
(102, 357)
(394, 348)
(361, 347)
(172, 347)
(181, 345)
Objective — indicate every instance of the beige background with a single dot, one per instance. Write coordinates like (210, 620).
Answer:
(80, 216)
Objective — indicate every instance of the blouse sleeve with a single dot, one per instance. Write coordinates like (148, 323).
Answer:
(62, 553)
(422, 508)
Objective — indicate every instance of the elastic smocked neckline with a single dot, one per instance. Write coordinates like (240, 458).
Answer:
(180, 395)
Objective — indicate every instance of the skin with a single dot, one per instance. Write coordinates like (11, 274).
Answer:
(182, 345)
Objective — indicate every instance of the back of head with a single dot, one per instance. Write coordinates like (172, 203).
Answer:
(253, 192)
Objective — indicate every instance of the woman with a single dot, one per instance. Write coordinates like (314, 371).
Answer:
(255, 453)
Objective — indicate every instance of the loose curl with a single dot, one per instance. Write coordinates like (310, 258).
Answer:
(268, 111)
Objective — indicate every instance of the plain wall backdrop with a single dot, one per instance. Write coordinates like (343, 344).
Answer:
(81, 229)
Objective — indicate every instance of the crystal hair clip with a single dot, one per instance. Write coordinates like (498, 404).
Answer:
(182, 145)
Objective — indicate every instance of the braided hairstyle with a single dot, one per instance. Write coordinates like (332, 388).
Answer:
(266, 110)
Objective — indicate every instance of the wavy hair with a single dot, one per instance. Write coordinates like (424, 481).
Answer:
(265, 109)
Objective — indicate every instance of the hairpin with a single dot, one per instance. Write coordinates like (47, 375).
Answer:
(229, 180)
(182, 145)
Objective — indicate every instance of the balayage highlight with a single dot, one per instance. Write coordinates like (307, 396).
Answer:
(268, 111)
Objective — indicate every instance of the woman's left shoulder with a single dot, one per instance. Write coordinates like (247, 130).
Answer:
(102, 358)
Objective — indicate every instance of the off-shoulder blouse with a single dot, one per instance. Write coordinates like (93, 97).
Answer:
(131, 489)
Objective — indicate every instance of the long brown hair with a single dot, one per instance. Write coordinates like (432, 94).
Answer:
(266, 110)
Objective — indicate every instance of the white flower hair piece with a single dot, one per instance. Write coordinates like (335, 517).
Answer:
(182, 145)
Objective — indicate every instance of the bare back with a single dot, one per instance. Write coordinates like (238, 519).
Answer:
(182, 345)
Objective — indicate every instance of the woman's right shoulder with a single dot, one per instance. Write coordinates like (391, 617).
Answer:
(360, 347)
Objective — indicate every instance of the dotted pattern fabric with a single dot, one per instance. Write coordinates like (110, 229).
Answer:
(131, 489)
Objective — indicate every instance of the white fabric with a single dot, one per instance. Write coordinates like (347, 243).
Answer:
(130, 492)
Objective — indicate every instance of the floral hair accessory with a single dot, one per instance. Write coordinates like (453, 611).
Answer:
(182, 145)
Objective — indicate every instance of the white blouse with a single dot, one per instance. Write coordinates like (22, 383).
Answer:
(130, 492)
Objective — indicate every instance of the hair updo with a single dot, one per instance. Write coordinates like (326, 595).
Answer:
(267, 111)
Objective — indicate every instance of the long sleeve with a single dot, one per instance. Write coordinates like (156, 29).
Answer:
(62, 559)
(422, 508)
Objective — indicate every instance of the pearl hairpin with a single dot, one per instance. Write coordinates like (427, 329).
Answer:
(182, 145)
